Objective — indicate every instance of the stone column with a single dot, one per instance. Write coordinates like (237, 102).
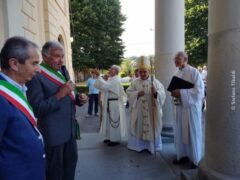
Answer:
(169, 38)
(222, 138)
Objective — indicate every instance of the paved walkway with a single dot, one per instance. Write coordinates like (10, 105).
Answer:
(97, 161)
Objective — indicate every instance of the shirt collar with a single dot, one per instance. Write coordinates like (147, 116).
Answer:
(23, 88)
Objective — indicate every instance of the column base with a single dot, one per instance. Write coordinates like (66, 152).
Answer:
(206, 173)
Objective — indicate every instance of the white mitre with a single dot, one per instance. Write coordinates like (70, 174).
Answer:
(143, 63)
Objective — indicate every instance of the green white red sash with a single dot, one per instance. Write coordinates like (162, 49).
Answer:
(17, 98)
(55, 77)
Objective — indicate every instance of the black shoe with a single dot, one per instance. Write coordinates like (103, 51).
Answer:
(193, 166)
(144, 151)
(181, 161)
(106, 141)
(113, 143)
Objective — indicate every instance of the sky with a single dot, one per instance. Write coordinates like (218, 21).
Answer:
(138, 36)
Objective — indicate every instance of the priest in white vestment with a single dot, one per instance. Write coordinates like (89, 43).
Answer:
(188, 114)
(146, 100)
(113, 126)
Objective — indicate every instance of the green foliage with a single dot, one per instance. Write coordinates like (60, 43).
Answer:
(127, 67)
(196, 29)
(96, 28)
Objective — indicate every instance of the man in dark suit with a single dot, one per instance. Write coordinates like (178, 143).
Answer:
(22, 153)
(51, 95)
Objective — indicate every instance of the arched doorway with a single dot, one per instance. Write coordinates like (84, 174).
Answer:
(60, 39)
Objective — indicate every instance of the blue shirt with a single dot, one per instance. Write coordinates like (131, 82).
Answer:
(90, 84)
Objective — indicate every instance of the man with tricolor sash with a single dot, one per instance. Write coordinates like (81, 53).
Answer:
(22, 153)
(51, 95)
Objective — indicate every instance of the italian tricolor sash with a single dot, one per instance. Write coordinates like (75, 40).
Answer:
(17, 98)
(55, 77)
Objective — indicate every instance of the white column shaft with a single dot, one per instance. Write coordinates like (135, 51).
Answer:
(169, 38)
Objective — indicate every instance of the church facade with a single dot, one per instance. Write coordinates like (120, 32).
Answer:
(38, 21)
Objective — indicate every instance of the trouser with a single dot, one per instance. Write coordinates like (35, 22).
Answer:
(93, 99)
(61, 161)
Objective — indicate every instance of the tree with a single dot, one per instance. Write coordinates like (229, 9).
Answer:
(127, 67)
(96, 28)
(196, 29)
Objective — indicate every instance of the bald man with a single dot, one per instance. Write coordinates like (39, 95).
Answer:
(188, 119)
(113, 126)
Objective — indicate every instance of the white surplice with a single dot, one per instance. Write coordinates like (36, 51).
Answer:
(143, 110)
(188, 117)
(113, 125)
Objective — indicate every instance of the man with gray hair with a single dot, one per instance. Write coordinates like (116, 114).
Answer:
(22, 153)
(188, 115)
(113, 126)
(51, 96)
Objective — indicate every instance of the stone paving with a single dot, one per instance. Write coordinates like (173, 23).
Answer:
(97, 161)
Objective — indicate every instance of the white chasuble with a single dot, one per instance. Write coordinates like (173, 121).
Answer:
(146, 115)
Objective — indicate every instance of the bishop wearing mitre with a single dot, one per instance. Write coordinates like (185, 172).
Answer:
(146, 98)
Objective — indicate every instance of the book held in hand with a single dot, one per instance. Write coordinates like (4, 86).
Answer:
(178, 83)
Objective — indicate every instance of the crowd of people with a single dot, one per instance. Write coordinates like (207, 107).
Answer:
(38, 107)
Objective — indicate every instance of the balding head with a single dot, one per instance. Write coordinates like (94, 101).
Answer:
(114, 70)
(182, 54)
(117, 68)
(181, 59)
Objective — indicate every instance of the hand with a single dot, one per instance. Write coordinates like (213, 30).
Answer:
(154, 91)
(64, 90)
(141, 93)
(72, 84)
(176, 93)
(83, 99)
(97, 73)
(105, 77)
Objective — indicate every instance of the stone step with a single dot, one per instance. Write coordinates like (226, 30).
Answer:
(167, 131)
(167, 139)
(167, 134)
(189, 174)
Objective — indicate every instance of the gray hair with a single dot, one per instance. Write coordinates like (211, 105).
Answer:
(118, 68)
(49, 45)
(182, 54)
(16, 47)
